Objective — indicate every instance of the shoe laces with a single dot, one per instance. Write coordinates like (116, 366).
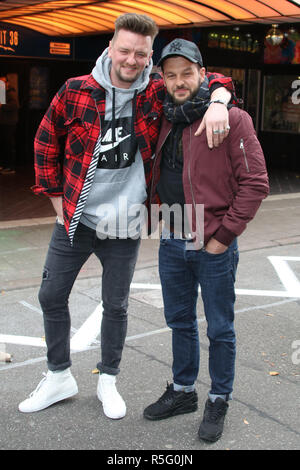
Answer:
(215, 410)
(109, 388)
(168, 394)
(40, 384)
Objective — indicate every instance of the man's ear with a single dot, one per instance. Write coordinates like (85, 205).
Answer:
(149, 58)
(109, 49)
(202, 73)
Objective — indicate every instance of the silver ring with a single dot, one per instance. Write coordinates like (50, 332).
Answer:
(228, 128)
(222, 131)
(216, 131)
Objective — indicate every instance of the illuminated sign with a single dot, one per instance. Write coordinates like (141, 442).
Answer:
(17, 41)
(9, 40)
(22, 42)
(60, 48)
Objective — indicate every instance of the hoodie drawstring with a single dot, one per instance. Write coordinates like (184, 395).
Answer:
(132, 138)
(113, 123)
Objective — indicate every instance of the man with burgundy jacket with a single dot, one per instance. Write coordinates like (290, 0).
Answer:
(218, 192)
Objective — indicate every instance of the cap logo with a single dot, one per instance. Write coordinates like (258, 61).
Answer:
(175, 46)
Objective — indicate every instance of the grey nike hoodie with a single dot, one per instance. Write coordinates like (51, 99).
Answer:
(114, 206)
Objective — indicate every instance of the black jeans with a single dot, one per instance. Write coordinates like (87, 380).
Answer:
(63, 263)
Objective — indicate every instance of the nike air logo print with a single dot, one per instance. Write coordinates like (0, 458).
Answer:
(112, 145)
(117, 151)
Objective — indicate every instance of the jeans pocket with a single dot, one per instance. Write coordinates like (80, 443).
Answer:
(59, 226)
(215, 255)
(60, 233)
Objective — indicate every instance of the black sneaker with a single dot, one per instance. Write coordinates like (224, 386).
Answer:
(172, 403)
(212, 424)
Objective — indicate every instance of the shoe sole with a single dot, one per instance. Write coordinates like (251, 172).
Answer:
(40, 408)
(210, 439)
(170, 415)
(106, 414)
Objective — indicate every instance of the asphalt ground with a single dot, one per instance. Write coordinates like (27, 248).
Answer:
(264, 412)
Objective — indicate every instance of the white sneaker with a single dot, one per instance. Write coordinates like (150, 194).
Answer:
(113, 404)
(54, 387)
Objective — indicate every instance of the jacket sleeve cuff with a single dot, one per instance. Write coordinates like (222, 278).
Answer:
(224, 236)
(214, 85)
(57, 192)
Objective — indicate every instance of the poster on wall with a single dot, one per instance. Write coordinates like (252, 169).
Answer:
(281, 111)
(2, 91)
(287, 52)
(9, 88)
(38, 88)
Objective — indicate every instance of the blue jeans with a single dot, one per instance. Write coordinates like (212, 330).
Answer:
(63, 263)
(181, 271)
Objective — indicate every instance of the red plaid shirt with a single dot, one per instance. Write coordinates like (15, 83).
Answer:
(66, 138)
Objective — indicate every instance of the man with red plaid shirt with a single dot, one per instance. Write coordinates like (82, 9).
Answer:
(93, 159)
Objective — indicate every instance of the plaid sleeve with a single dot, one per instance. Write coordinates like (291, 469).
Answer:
(49, 146)
(217, 80)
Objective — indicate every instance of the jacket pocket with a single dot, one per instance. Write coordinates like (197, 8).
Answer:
(77, 138)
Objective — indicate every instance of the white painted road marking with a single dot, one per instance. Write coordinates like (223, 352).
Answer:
(23, 340)
(285, 273)
(283, 270)
(89, 331)
(147, 333)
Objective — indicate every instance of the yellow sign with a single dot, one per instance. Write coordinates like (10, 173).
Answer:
(8, 39)
(60, 48)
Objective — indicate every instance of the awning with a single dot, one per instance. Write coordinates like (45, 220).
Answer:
(82, 17)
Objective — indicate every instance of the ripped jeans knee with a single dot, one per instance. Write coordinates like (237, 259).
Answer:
(52, 293)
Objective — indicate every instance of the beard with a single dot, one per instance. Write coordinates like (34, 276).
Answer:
(192, 92)
(180, 101)
(127, 79)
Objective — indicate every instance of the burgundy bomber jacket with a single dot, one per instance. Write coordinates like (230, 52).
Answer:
(230, 180)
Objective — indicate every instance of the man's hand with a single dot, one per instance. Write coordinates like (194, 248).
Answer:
(58, 207)
(216, 120)
(214, 247)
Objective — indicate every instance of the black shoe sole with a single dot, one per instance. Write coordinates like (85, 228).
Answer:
(210, 439)
(175, 412)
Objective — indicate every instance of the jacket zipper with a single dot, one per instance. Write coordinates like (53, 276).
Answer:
(242, 147)
(191, 186)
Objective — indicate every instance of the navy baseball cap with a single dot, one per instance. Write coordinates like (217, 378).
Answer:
(184, 48)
